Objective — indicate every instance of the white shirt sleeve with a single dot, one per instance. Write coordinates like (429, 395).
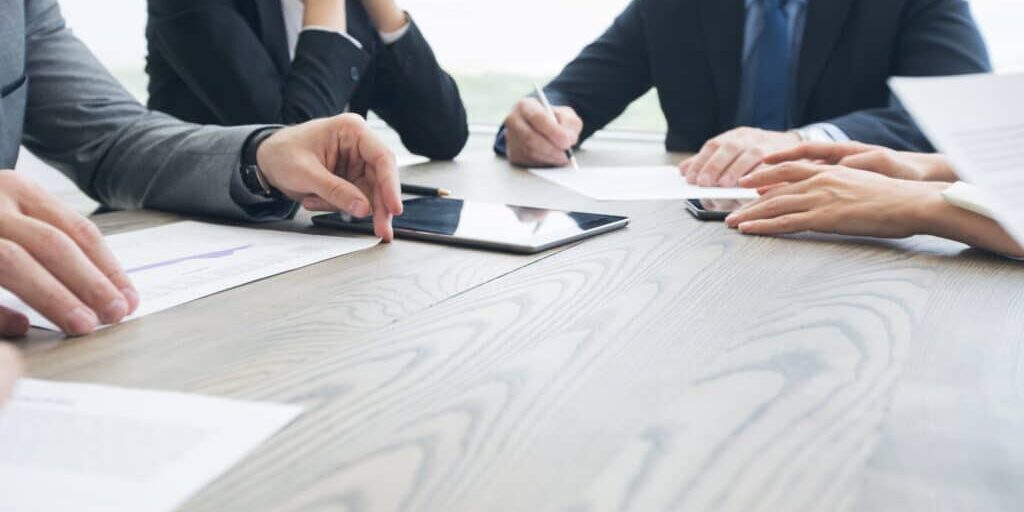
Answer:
(339, 32)
(968, 197)
(393, 37)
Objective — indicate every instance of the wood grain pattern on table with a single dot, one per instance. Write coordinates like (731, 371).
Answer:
(618, 375)
(675, 365)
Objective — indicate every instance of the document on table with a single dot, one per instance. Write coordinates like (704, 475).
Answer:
(978, 122)
(181, 262)
(410, 160)
(636, 184)
(93, 448)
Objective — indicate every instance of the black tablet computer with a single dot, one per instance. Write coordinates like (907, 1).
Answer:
(502, 227)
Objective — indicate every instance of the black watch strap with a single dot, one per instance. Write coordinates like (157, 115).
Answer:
(252, 175)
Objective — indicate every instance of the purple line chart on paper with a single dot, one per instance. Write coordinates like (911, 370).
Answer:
(185, 261)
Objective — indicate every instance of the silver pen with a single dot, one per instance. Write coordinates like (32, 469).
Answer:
(551, 112)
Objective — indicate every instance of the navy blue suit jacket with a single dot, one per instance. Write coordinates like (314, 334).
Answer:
(690, 51)
(226, 62)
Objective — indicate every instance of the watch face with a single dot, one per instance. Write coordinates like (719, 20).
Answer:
(254, 182)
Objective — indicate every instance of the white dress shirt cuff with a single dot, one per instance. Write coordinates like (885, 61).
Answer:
(393, 37)
(339, 32)
(968, 197)
(822, 132)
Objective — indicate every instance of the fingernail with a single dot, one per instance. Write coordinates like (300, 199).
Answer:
(16, 326)
(132, 297)
(82, 321)
(115, 311)
(356, 208)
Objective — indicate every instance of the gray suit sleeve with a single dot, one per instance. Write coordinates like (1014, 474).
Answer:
(83, 122)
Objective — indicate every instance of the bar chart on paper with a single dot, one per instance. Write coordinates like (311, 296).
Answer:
(181, 262)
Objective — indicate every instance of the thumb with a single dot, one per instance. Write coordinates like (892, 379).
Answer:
(340, 194)
(570, 121)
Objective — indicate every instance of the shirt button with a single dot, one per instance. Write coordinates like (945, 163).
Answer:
(354, 73)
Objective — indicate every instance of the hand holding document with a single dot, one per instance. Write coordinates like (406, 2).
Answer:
(636, 184)
(100, 449)
(181, 262)
(982, 134)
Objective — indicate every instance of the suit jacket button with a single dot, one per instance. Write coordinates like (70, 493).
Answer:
(354, 73)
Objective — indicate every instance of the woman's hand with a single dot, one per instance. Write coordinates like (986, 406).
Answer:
(801, 196)
(385, 15)
(877, 159)
(325, 13)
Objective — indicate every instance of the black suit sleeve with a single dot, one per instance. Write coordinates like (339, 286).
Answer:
(219, 57)
(418, 99)
(938, 38)
(608, 75)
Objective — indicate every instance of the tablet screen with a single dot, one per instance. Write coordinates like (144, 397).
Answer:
(493, 223)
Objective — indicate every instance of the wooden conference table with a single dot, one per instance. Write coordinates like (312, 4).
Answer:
(675, 365)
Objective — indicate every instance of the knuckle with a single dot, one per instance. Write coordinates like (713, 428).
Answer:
(351, 118)
(731, 145)
(11, 254)
(338, 191)
(52, 240)
(85, 232)
(348, 121)
(883, 157)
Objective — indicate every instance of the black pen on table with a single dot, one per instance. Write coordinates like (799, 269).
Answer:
(416, 190)
(551, 113)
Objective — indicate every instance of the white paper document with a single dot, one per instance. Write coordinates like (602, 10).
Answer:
(636, 184)
(181, 262)
(84, 448)
(978, 122)
(411, 160)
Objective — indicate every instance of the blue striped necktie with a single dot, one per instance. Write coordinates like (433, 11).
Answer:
(771, 93)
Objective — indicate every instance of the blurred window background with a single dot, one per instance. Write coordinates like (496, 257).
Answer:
(495, 49)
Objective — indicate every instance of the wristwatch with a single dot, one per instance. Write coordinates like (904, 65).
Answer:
(252, 175)
(813, 133)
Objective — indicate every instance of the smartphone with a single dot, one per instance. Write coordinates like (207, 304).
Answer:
(715, 209)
